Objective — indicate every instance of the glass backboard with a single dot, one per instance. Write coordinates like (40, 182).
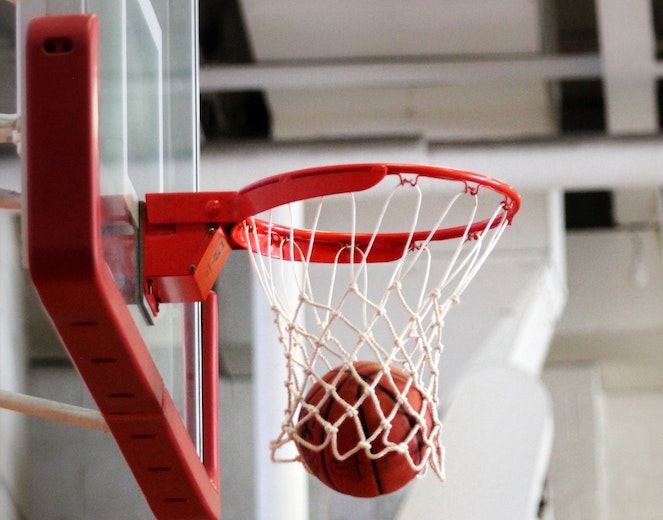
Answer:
(148, 124)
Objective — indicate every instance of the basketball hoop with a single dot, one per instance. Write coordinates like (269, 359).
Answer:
(376, 291)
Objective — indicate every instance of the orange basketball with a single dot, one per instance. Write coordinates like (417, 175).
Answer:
(359, 474)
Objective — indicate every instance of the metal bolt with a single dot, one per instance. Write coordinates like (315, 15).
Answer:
(212, 207)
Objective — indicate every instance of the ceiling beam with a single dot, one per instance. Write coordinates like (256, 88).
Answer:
(579, 163)
(390, 73)
(627, 43)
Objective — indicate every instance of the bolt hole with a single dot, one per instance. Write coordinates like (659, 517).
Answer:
(143, 436)
(103, 360)
(58, 45)
(120, 395)
(85, 323)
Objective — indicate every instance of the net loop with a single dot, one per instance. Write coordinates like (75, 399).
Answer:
(412, 181)
(378, 292)
(472, 189)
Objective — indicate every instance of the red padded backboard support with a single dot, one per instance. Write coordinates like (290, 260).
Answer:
(77, 289)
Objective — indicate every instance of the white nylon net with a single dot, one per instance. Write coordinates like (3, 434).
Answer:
(331, 315)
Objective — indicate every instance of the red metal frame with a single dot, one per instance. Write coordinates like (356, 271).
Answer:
(77, 289)
(181, 260)
(170, 216)
(186, 235)
(316, 182)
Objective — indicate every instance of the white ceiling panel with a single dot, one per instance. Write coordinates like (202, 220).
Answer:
(451, 112)
(319, 29)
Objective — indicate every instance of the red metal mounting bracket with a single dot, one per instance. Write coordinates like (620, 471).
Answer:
(185, 245)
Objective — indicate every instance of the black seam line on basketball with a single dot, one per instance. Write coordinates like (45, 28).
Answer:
(410, 419)
(413, 422)
(326, 414)
(364, 426)
(401, 409)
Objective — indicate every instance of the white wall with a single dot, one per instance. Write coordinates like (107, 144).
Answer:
(608, 447)
(577, 470)
(607, 379)
(634, 451)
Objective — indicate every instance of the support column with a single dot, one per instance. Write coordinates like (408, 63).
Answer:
(281, 491)
(626, 39)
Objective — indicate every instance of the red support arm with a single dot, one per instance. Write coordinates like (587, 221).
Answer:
(74, 282)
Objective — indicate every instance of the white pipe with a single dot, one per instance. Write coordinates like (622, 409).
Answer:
(601, 163)
(53, 410)
(583, 163)
(381, 73)
(238, 164)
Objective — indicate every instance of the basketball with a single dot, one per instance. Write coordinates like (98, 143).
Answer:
(360, 474)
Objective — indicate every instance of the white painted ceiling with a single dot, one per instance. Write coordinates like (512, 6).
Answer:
(319, 29)
(377, 33)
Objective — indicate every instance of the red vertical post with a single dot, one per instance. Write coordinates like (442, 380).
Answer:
(210, 384)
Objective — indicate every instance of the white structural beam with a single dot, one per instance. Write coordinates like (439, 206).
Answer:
(600, 163)
(411, 73)
(537, 165)
(281, 490)
(627, 45)
(594, 163)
